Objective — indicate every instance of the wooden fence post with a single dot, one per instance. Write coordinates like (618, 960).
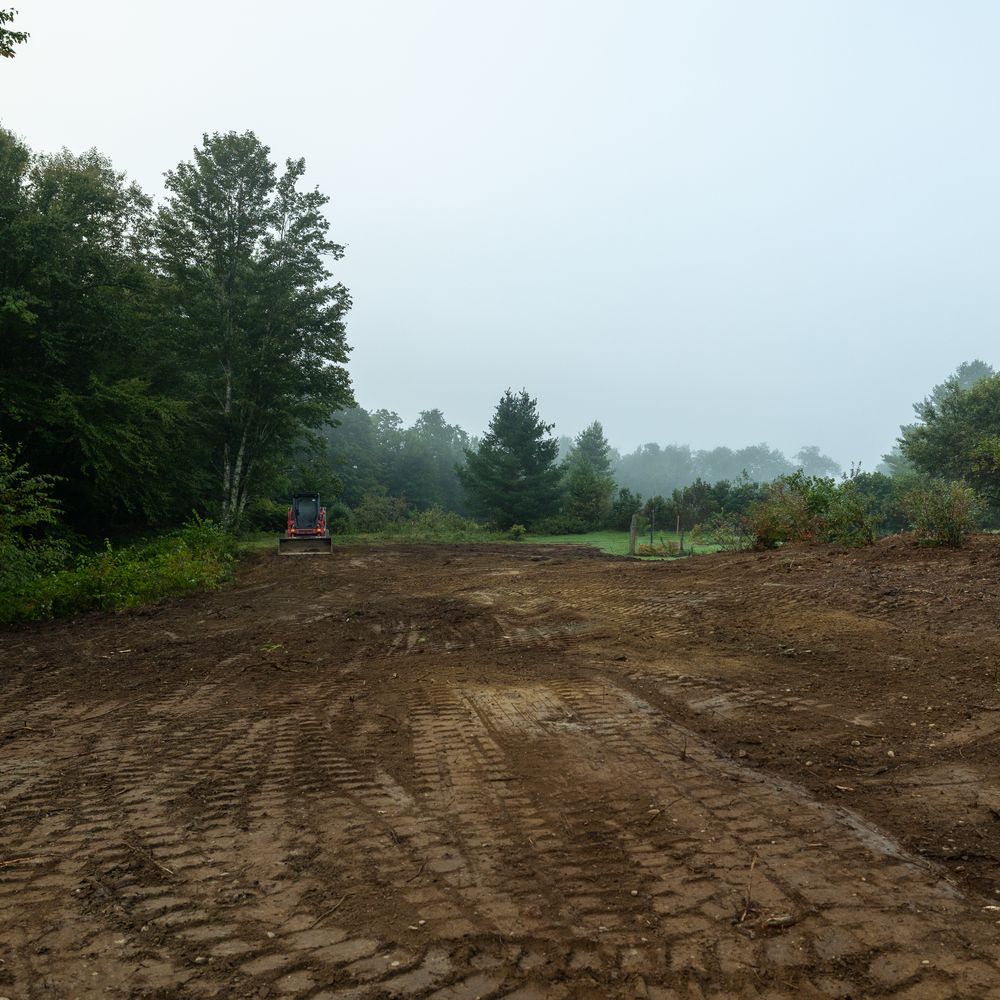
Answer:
(632, 531)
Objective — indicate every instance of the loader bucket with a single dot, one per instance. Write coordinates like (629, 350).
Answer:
(318, 545)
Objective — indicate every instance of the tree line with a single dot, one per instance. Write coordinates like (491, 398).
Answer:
(519, 473)
(164, 359)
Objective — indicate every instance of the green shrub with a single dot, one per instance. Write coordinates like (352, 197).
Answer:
(559, 524)
(801, 508)
(851, 517)
(786, 514)
(22, 561)
(516, 532)
(200, 556)
(388, 518)
(28, 514)
(339, 518)
(731, 532)
(265, 515)
(379, 512)
(623, 506)
(437, 525)
(884, 494)
(943, 513)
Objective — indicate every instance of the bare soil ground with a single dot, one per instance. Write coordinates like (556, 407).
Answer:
(514, 771)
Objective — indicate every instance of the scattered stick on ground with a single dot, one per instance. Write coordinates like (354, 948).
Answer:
(326, 913)
(748, 903)
(146, 856)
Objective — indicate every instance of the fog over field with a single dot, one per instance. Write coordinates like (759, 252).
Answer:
(714, 223)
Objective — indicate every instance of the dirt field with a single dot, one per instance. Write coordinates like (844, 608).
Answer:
(513, 771)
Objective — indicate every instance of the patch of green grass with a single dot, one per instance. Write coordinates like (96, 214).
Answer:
(424, 526)
(435, 525)
(616, 542)
(613, 542)
(417, 531)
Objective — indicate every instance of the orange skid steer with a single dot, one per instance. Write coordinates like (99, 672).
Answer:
(307, 532)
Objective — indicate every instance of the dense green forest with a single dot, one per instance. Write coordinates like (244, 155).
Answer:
(159, 361)
(182, 367)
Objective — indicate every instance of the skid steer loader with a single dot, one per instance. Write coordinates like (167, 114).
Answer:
(307, 532)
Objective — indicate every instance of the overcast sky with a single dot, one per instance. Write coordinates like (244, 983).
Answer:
(701, 222)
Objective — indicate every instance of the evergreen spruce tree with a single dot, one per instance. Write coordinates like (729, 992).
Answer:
(588, 484)
(512, 477)
(592, 445)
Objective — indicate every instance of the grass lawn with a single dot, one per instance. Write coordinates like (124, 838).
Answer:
(616, 542)
(613, 542)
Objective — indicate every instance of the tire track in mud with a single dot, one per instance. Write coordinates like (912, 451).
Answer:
(716, 696)
(629, 609)
(634, 609)
(719, 839)
(532, 613)
(547, 838)
(358, 836)
(168, 873)
(110, 843)
(153, 853)
(141, 849)
(525, 867)
(595, 880)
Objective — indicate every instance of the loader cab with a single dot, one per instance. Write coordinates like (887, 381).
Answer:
(305, 510)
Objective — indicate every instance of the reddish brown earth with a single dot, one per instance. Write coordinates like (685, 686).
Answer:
(512, 771)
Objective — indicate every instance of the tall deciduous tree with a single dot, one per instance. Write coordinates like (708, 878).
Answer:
(959, 436)
(512, 477)
(355, 454)
(935, 417)
(89, 388)
(8, 36)
(650, 469)
(245, 254)
(432, 451)
(965, 376)
(814, 463)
